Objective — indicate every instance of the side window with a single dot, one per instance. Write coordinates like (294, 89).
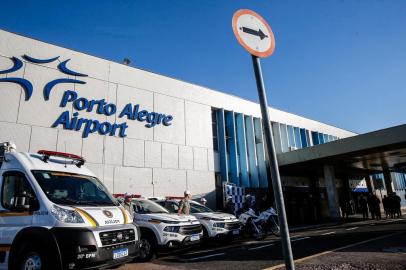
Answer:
(16, 191)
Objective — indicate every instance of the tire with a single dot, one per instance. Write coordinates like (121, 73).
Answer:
(276, 231)
(34, 257)
(148, 247)
(262, 234)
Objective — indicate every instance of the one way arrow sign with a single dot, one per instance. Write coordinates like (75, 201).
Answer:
(253, 33)
(258, 33)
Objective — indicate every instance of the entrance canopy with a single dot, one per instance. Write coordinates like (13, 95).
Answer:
(359, 155)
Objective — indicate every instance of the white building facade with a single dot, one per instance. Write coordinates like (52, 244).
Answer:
(140, 132)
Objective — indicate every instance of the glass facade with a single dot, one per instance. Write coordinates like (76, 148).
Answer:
(239, 140)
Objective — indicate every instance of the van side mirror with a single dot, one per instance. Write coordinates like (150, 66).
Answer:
(25, 202)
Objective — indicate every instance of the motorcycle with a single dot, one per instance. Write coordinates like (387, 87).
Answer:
(252, 224)
(270, 220)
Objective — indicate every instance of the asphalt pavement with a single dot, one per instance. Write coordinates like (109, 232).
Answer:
(355, 245)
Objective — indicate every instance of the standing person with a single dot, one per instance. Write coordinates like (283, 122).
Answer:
(371, 205)
(127, 203)
(397, 205)
(184, 205)
(377, 207)
(385, 205)
(391, 205)
(364, 207)
(230, 207)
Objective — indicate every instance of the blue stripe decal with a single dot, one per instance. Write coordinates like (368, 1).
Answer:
(222, 145)
(263, 177)
(252, 156)
(232, 147)
(39, 61)
(62, 67)
(25, 84)
(48, 87)
(241, 143)
(17, 64)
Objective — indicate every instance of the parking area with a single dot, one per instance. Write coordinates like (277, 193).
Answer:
(357, 245)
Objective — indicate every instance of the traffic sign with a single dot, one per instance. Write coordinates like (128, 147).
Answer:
(253, 33)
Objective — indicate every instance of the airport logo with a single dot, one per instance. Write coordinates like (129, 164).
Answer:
(74, 122)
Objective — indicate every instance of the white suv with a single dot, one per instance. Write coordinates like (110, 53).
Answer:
(215, 224)
(161, 229)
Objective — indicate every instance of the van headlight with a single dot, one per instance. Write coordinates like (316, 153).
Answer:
(65, 215)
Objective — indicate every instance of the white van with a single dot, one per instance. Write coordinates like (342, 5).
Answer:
(55, 214)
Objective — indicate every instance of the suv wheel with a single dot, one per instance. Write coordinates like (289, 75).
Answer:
(147, 249)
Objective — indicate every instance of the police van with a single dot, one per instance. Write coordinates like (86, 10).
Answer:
(55, 214)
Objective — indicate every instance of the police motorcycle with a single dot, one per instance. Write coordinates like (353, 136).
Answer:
(270, 219)
(252, 225)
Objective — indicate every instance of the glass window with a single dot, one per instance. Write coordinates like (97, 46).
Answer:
(321, 138)
(214, 129)
(315, 137)
(330, 138)
(297, 137)
(147, 207)
(16, 190)
(291, 136)
(171, 206)
(303, 138)
(73, 189)
(284, 138)
(325, 136)
(199, 208)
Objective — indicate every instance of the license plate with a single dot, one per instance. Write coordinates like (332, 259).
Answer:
(235, 232)
(194, 237)
(120, 253)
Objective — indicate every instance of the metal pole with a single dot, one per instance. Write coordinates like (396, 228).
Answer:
(276, 181)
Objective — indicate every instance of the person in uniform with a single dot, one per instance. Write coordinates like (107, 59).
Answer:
(184, 205)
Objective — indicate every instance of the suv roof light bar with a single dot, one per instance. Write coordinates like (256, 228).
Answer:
(47, 154)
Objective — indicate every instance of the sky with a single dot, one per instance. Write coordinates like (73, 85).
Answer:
(341, 62)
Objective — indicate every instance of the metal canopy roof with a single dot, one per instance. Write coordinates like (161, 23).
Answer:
(358, 155)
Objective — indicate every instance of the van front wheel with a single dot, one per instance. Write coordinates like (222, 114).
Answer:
(32, 261)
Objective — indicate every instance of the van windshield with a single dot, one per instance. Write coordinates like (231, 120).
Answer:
(73, 189)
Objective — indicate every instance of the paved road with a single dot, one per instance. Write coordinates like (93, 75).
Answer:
(357, 245)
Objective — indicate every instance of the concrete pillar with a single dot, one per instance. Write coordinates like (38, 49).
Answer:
(332, 195)
(370, 184)
(388, 181)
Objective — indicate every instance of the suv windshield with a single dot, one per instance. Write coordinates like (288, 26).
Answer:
(147, 207)
(199, 208)
(73, 189)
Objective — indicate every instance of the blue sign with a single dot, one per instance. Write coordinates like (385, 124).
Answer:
(131, 112)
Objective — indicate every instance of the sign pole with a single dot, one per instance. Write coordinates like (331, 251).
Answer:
(275, 177)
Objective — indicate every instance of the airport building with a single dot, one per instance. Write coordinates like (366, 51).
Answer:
(145, 133)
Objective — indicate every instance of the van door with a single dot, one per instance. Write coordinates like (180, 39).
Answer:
(16, 211)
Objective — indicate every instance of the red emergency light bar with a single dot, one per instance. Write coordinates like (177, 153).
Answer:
(174, 197)
(80, 160)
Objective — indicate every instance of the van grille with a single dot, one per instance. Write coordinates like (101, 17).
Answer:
(117, 237)
(232, 225)
(190, 229)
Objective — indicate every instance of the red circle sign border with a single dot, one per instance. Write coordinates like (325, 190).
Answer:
(268, 52)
